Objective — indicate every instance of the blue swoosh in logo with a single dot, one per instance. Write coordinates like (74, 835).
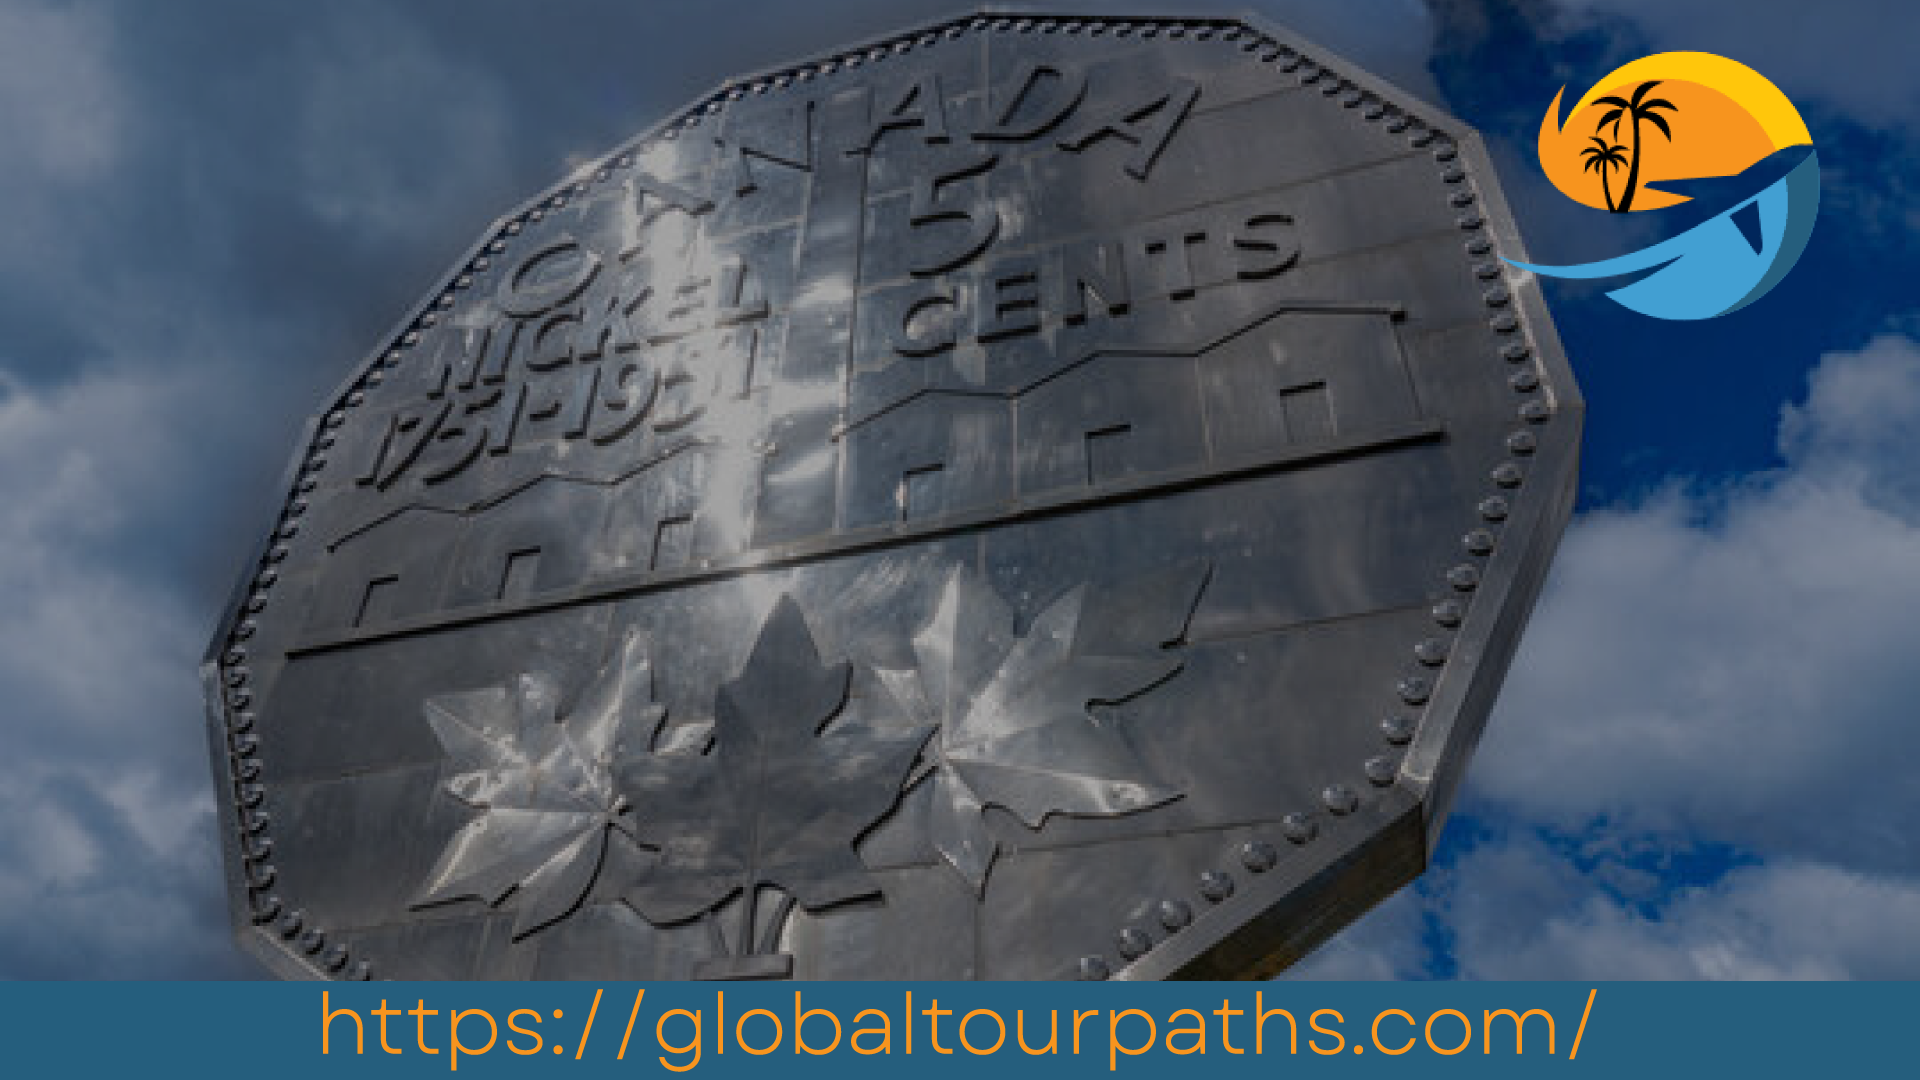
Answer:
(1713, 269)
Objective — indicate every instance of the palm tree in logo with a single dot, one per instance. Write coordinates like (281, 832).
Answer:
(1603, 157)
(1637, 110)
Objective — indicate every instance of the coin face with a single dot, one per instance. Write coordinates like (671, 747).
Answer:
(1025, 498)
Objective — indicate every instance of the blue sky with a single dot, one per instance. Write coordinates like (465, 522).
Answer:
(1700, 765)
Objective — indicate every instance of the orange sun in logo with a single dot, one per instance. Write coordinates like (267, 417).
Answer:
(1671, 116)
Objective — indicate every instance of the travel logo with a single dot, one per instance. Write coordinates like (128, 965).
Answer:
(1715, 141)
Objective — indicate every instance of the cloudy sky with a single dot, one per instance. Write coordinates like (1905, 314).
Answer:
(1701, 767)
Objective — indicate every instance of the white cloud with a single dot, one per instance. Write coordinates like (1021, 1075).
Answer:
(62, 125)
(60, 105)
(1727, 667)
(1517, 911)
(1856, 430)
(80, 466)
(391, 128)
(105, 781)
(1735, 662)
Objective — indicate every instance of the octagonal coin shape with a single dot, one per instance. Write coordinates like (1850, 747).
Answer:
(1027, 497)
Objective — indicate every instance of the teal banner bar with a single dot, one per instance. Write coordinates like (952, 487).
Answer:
(768, 1029)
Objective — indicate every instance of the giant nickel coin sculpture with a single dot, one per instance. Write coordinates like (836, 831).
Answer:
(1023, 498)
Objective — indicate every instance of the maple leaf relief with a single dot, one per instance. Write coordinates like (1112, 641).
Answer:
(1015, 727)
(782, 797)
(543, 783)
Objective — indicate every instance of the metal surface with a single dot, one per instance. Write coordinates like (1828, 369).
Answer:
(1029, 497)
